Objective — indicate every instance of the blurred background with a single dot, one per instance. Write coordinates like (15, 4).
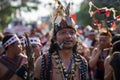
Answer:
(36, 13)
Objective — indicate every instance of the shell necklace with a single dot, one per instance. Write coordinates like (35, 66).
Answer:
(68, 74)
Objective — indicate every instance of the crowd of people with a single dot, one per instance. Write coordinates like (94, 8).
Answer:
(65, 53)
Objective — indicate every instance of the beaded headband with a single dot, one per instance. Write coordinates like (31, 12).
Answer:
(11, 40)
(34, 41)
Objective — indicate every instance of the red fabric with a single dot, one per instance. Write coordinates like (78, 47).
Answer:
(97, 23)
(95, 20)
(107, 13)
(113, 25)
(118, 18)
(73, 16)
(99, 26)
(96, 11)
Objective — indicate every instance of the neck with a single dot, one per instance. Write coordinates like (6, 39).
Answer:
(10, 55)
(65, 54)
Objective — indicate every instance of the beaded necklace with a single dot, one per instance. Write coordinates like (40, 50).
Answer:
(68, 74)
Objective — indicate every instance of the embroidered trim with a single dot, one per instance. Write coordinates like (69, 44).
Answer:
(82, 63)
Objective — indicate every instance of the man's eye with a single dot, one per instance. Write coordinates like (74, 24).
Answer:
(63, 33)
(72, 32)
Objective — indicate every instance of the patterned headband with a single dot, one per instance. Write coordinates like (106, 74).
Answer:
(11, 40)
(34, 41)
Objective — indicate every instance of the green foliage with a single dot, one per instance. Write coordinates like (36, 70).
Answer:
(5, 16)
(83, 15)
(1, 28)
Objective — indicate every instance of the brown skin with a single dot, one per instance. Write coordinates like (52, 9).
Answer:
(104, 42)
(12, 52)
(108, 69)
(36, 51)
(68, 36)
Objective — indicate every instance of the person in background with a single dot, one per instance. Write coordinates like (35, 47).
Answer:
(12, 63)
(7, 31)
(23, 43)
(91, 40)
(108, 68)
(36, 46)
(80, 32)
(99, 53)
(115, 58)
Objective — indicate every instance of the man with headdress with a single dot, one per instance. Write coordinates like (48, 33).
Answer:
(12, 63)
(62, 61)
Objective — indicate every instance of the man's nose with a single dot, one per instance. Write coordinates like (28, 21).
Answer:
(67, 35)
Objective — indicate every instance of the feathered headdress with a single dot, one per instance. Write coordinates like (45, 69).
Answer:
(61, 18)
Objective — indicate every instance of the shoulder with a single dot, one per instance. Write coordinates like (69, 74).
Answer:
(40, 60)
(3, 59)
(38, 65)
(22, 55)
(115, 59)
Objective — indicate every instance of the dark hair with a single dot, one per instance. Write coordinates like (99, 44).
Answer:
(116, 47)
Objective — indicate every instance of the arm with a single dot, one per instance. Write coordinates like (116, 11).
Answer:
(21, 72)
(37, 68)
(86, 52)
(15, 77)
(94, 58)
(108, 69)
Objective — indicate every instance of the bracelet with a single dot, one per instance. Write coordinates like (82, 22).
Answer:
(22, 72)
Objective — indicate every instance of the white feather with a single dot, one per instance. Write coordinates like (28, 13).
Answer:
(58, 20)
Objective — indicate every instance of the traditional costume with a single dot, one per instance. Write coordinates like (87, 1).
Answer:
(62, 20)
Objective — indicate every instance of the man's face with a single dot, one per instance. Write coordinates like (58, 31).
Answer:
(104, 41)
(36, 48)
(17, 47)
(66, 36)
